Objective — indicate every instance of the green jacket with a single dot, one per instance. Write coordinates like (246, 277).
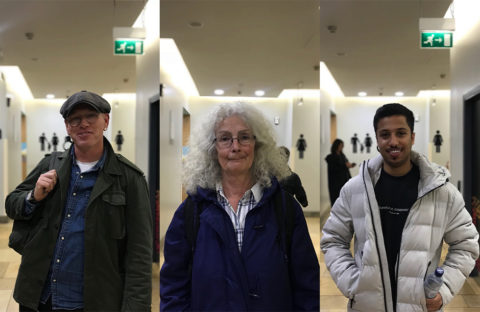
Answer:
(118, 236)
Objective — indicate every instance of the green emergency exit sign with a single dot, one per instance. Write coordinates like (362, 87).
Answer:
(436, 40)
(128, 47)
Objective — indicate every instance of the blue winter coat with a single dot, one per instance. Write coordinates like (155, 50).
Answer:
(225, 279)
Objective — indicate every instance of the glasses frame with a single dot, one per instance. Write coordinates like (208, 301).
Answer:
(245, 143)
(79, 119)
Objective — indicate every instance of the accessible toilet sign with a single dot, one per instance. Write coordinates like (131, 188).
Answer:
(436, 40)
(128, 47)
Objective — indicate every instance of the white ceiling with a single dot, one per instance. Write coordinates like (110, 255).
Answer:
(72, 45)
(245, 45)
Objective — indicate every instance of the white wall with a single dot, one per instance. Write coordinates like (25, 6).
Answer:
(294, 120)
(464, 69)
(148, 83)
(306, 121)
(200, 106)
(327, 105)
(171, 117)
(123, 119)
(43, 116)
(355, 115)
(3, 147)
(440, 120)
(13, 137)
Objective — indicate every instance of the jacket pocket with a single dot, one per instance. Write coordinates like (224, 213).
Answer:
(115, 213)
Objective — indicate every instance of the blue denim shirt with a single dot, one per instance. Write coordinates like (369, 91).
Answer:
(65, 277)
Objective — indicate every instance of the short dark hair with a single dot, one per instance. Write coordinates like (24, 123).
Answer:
(335, 144)
(285, 151)
(393, 109)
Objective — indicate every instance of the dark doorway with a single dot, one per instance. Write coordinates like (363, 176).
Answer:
(471, 165)
(154, 171)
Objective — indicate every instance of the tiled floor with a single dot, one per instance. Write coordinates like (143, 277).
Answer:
(332, 300)
(10, 260)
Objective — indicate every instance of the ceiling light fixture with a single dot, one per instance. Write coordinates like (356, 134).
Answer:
(362, 93)
(399, 93)
(259, 93)
(50, 96)
(195, 24)
(219, 92)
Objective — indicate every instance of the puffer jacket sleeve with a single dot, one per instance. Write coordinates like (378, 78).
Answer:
(462, 238)
(175, 279)
(305, 271)
(337, 234)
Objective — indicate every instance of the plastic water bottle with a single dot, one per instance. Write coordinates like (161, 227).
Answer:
(432, 283)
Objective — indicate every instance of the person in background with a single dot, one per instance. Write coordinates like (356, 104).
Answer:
(338, 170)
(90, 246)
(240, 258)
(292, 183)
(401, 208)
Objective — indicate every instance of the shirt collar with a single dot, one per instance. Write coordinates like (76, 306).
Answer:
(256, 190)
(98, 165)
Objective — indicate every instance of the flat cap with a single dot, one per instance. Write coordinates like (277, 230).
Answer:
(85, 97)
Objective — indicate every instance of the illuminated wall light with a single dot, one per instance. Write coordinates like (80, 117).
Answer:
(362, 93)
(399, 93)
(259, 93)
(219, 92)
(50, 96)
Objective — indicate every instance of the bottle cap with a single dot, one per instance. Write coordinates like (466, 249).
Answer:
(439, 272)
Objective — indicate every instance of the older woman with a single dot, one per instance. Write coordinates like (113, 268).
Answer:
(240, 258)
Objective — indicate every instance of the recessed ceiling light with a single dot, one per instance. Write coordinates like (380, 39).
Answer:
(50, 96)
(195, 24)
(259, 93)
(362, 93)
(219, 92)
(399, 93)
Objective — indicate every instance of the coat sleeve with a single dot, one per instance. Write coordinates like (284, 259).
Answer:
(15, 201)
(462, 238)
(137, 293)
(175, 279)
(304, 269)
(337, 234)
(300, 194)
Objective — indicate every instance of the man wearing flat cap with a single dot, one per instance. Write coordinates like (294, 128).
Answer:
(88, 245)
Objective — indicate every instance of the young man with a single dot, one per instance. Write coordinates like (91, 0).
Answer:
(401, 208)
(90, 244)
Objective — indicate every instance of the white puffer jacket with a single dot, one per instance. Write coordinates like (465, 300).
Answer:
(438, 214)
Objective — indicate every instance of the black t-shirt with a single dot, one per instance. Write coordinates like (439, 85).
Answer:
(395, 197)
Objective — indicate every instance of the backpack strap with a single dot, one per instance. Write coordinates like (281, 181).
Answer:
(54, 161)
(285, 216)
(192, 224)
(189, 222)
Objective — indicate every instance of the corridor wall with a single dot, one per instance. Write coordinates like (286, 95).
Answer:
(200, 106)
(355, 115)
(3, 143)
(464, 69)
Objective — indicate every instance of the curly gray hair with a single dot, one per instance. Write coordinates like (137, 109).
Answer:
(201, 167)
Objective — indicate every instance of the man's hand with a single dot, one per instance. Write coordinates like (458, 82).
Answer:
(435, 303)
(45, 184)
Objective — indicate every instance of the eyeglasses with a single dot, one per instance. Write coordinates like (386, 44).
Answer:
(76, 121)
(226, 141)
